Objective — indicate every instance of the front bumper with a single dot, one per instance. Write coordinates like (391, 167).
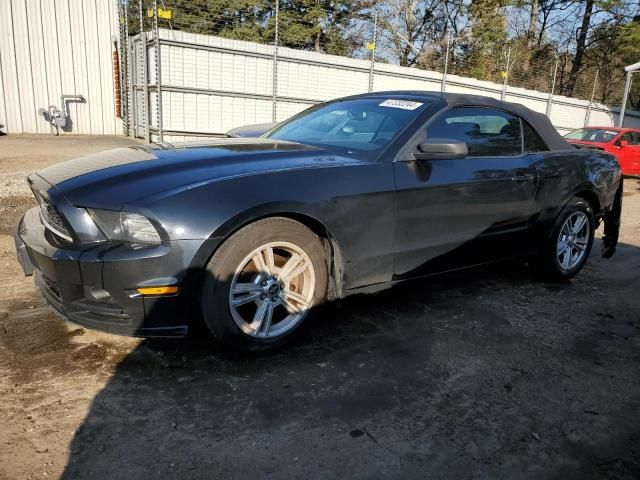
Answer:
(96, 286)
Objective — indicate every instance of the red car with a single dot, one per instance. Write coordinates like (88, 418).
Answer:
(624, 143)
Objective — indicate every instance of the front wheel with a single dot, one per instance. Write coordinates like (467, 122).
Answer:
(262, 283)
(571, 239)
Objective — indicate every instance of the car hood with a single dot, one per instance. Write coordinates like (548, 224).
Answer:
(113, 178)
(587, 143)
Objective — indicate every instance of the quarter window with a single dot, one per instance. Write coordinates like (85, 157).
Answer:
(487, 132)
(532, 141)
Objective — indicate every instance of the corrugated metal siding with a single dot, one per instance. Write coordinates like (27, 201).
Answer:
(53, 47)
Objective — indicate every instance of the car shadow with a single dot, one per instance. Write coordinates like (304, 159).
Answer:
(420, 380)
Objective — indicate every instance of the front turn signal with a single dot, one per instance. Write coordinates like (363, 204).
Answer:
(169, 290)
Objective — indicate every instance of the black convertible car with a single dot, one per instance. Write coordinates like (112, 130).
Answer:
(353, 194)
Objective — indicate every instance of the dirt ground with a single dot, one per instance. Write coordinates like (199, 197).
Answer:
(487, 374)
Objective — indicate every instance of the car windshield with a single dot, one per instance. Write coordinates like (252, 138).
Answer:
(601, 135)
(360, 128)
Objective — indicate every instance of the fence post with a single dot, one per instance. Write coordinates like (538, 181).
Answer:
(553, 86)
(625, 97)
(443, 85)
(123, 58)
(593, 92)
(505, 75)
(274, 107)
(158, 68)
(145, 80)
(133, 106)
(373, 48)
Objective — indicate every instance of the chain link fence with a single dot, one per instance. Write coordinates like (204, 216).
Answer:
(271, 59)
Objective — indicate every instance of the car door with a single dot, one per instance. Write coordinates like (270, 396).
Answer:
(629, 154)
(457, 212)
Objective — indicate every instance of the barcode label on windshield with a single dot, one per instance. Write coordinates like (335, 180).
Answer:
(403, 104)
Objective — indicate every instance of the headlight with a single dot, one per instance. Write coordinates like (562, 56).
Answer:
(125, 226)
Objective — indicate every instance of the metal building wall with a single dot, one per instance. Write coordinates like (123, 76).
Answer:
(53, 47)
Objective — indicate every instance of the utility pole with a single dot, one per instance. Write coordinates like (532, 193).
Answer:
(372, 46)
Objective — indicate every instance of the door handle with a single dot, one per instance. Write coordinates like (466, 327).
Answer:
(523, 178)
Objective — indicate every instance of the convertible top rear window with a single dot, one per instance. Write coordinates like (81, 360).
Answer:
(359, 127)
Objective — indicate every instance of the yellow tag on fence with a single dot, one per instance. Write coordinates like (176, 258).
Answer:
(162, 13)
(371, 46)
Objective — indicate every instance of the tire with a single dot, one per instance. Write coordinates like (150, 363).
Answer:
(569, 244)
(260, 309)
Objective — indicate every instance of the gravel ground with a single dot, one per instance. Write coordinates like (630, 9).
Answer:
(489, 373)
(21, 155)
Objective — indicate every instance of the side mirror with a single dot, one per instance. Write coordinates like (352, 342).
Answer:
(441, 149)
(623, 143)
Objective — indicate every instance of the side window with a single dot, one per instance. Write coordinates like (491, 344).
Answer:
(632, 138)
(532, 141)
(487, 132)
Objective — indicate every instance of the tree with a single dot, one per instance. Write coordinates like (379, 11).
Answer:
(319, 25)
(484, 52)
(532, 31)
(613, 47)
(238, 19)
(580, 47)
(411, 27)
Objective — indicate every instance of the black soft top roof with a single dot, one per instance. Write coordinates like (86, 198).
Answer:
(538, 121)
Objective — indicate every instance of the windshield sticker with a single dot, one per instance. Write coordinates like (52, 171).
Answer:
(403, 104)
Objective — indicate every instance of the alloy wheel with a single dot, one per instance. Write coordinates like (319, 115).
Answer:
(573, 240)
(272, 290)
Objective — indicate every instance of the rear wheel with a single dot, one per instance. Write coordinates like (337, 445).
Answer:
(262, 283)
(571, 239)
